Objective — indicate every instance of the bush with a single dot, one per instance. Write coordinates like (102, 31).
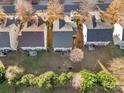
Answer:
(47, 80)
(70, 75)
(35, 81)
(107, 81)
(89, 81)
(76, 55)
(2, 72)
(26, 80)
(77, 80)
(65, 78)
(13, 74)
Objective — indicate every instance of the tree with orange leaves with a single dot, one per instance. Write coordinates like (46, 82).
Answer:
(114, 12)
(83, 14)
(55, 11)
(24, 11)
(3, 15)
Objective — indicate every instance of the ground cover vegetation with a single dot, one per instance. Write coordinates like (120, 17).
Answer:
(49, 80)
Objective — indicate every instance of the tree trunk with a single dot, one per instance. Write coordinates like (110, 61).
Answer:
(21, 25)
(74, 42)
(49, 36)
(79, 36)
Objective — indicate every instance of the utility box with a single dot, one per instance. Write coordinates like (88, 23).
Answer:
(121, 45)
(32, 53)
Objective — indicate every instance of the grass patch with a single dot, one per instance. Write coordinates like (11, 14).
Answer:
(37, 90)
(115, 51)
(30, 64)
(33, 63)
(5, 88)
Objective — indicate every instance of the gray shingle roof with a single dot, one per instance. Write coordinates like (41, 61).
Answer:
(40, 21)
(31, 39)
(9, 22)
(29, 23)
(62, 39)
(4, 39)
(9, 8)
(103, 6)
(67, 8)
(103, 35)
(61, 23)
(39, 7)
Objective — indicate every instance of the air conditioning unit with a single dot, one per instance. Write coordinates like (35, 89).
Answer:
(91, 47)
(32, 53)
(121, 45)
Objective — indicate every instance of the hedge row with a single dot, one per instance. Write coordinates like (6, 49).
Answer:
(85, 81)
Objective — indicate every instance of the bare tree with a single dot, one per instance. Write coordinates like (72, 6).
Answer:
(55, 11)
(3, 15)
(114, 12)
(83, 14)
(86, 6)
(116, 67)
(24, 10)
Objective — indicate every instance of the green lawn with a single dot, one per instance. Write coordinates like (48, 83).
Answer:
(33, 64)
(30, 64)
(42, 62)
(5, 88)
(36, 90)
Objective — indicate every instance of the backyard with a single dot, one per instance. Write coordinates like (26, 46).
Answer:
(45, 61)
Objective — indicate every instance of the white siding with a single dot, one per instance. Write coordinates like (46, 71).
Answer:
(117, 34)
(85, 33)
(13, 37)
(45, 37)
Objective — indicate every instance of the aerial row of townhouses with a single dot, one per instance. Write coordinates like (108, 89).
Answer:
(33, 36)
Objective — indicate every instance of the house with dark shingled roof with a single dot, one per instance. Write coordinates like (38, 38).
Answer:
(99, 37)
(67, 8)
(32, 41)
(103, 6)
(33, 36)
(63, 40)
(62, 35)
(100, 34)
(8, 38)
